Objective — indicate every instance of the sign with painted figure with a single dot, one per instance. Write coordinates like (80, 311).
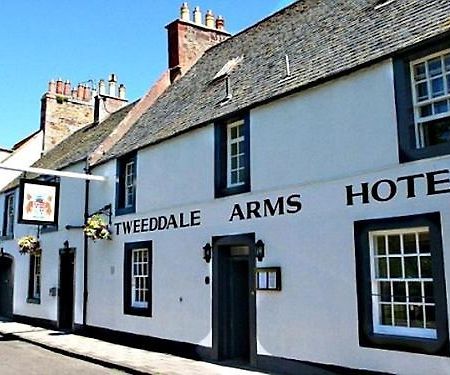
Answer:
(38, 202)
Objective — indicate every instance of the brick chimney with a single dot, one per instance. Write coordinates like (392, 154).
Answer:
(66, 108)
(110, 98)
(189, 39)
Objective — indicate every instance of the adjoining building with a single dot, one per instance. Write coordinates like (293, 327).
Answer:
(283, 202)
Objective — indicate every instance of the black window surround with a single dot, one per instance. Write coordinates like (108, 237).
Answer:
(31, 297)
(128, 309)
(404, 102)
(121, 207)
(367, 337)
(221, 158)
(8, 226)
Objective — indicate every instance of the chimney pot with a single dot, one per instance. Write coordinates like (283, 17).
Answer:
(80, 92)
(101, 87)
(87, 93)
(112, 85)
(52, 87)
(67, 88)
(122, 91)
(184, 12)
(197, 16)
(209, 19)
(220, 23)
(59, 86)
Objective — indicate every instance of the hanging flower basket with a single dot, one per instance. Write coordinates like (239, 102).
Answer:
(96, 228)
(29, 245)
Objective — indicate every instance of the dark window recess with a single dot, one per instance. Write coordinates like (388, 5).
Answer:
(34, 281)
(8, 216)
(400, 282)
(126, 185)
(422, 88)
(232, 156)
(137, 278)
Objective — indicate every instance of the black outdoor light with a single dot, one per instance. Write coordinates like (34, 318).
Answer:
(207, 253)
(259, 250)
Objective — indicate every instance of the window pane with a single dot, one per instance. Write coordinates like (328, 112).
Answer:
(409, 243)
(440, 107)
(411, 269)
(380, 245)
(422, 91)
(394, 244)
(437, 87)
(425, 267)
(241, 131)
(400, 315)
(437, 131)
(382, 268)
(395, 268)
(435, 67)
(234, 162)
(429, 293)
(419, 72)
(242, 160)
(415, 291)
(416, 316)
(234, 177)
(447, 62)
(399, 289)
(430, 317)
(233, 131)
(385, 291)
(426, 110)
(234, 149)
(386, 315)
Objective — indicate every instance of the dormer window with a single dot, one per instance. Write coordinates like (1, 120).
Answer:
(126, 185)
(232, 172)
(430, 78)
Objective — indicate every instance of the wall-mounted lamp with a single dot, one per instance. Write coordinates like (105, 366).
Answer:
(207, 253)
(259, 250)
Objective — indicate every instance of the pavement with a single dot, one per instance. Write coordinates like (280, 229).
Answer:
(114, 356)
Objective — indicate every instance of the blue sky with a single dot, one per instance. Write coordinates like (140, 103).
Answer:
(88, 39)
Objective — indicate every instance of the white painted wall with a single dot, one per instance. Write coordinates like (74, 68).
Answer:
(71, 211)
(4, 155)
(313, 143)
(24, 156)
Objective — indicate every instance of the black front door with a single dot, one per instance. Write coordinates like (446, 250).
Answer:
(6, 287)
(234, 311)
(66, 288)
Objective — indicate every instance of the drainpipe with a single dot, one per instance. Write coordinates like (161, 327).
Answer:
(85, 244)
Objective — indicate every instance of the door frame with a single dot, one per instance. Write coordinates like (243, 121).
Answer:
(11, 260)
(64, 252)
(246, 239)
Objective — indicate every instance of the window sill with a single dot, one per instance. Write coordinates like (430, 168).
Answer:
(146, 312)
(35, 301)
(225, 192)
(125, 211)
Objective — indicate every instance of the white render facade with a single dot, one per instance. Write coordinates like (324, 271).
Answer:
(324, 170)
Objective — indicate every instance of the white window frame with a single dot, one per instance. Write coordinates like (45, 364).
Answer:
(9, 214)
(230, 142)
(129, 184)
(421, 121)
(37, 267)
(387, 329)
(140, 278)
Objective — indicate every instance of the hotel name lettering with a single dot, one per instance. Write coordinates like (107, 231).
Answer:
(245, 211)
(409, 186)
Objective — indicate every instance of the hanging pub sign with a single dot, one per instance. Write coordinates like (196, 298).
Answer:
(38, 202)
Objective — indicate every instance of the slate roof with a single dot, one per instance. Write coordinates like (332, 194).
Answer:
(323, 38)
(77, 146)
